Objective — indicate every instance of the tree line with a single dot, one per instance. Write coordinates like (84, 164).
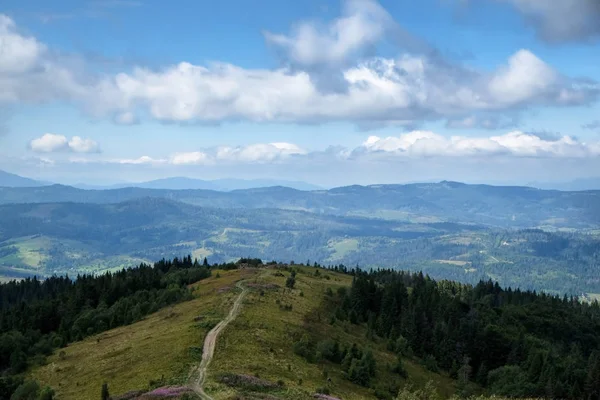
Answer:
(513, 343)
(37, 317)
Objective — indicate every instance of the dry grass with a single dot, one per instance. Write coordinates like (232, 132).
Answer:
(260, 342)
(128, 357)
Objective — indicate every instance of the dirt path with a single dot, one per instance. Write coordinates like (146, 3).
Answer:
(198, 374)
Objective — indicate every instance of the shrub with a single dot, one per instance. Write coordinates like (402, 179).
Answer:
(291, 281)
(430, 363)
(29, 390)
(304, 349)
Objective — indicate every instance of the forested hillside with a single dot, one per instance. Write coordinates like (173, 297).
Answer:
(36, 317)
(77, 238)
(337, 331)
(513, 343)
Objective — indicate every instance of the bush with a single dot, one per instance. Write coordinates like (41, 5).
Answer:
(304, 349)
(427, 393)
(29, 390)
(291, 281)
(430, 363)
(510, 381)
(329, 349)
(399, 369)
(362, 370)
(46, 394)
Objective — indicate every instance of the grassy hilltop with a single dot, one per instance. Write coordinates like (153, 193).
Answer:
(160, 349)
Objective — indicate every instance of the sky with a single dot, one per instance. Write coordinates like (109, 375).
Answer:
(324, 91)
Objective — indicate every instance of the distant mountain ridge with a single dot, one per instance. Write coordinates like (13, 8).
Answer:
(184, 183)
(574, 185)
(502, 206)
(12, 180)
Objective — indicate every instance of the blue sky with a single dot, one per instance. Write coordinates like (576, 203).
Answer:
(331, 92)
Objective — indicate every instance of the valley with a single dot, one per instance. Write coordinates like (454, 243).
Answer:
(555, 249)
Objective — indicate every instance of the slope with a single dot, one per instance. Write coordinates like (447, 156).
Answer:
(161, 349)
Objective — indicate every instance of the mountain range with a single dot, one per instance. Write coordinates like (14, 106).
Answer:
(174, 183)
(503, 206)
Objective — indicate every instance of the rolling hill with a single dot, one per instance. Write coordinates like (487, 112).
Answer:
(160, 350)
(247, 330)
(70, 238)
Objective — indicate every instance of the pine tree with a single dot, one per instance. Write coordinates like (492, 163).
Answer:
(592, 382)
(482, 374)
(464, 377)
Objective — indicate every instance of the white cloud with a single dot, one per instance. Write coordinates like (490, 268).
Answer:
(52, 143)
(408, 88)
(362, 24)
(260, 153)
(191, 158)
(525, 77)
(30, 73)
(516, 143)
(49, 143)
(561, 20)
(80, 145)
(18, 53)
(264, 152)
(140, 161)
(411, 146)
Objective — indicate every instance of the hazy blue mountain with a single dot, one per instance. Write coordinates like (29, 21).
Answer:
(504, 206)
(183, 183)
(574, 185)
(239, 184)
(11, 180)
(176, 183)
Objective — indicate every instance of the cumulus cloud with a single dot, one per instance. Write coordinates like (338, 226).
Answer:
(411, 146)
(362, 24)
(28, 71)
(140, 161)
(516, 143)
(49, 143)
(260, 153)
(191, 158)
(559, 21)
(266, 152)
(412, 87)
(52, 143)
(408, 88)
(81, 145)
